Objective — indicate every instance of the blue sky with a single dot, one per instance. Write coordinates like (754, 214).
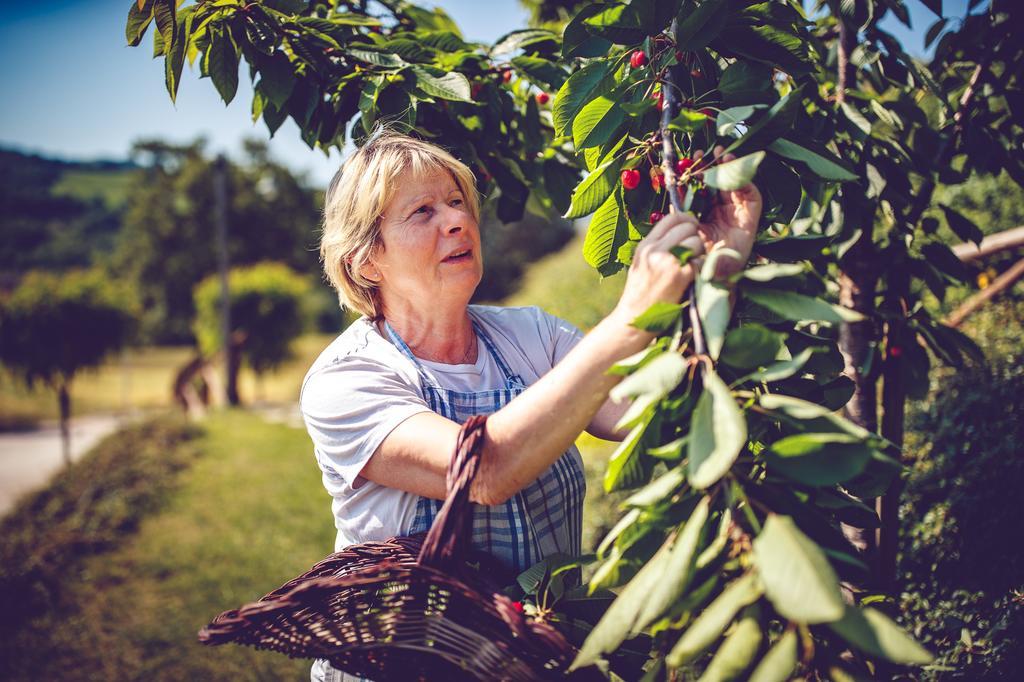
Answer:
(72, 88)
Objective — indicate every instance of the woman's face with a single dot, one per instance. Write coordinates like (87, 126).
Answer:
(431, 245)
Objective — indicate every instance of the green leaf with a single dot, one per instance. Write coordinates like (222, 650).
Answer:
(876, 634)
(770, 271)
(575, 92)
(606, 233)
(657, 490)
(222, 64)
(618, 620)
(368, 100)
(621, 526)
(577, 41)
(858, 119)
(713, 305)
(595, 189)
(751, 345)
(617, 23)
(964, 228)
(166, 20)
(541, 71)
(818, 459)
(597, 121)
(735, 174)
(175, 59)
(737, 651)
(943, 258)
(688, 121)
(624, 466)
(658, 317)
(799, 308)
(746, 82)
(384, 59)
(798, 580)
(780, 661)
(768, 44)
(718, 432)
(451, 86)
(777, 371)
(277, 80)
(934, 5)
(768, 127)
(139, 19)
(804, 411)
(698, 25)
(821, 163)
(510, 42)
(678, 570)
(657, 377)
(713, 620)
(729, 118)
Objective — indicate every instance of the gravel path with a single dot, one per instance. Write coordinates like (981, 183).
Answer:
(28, 459)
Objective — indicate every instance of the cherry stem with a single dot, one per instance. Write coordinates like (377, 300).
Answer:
(669, 109)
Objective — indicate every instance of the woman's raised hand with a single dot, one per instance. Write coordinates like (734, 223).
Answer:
(731, 222)
(655, 274)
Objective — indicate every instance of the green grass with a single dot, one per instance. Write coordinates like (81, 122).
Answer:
(246, 515)
(110, 187)
(564, 285)
(142, 379)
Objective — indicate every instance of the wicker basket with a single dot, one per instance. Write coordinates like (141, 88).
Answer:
(408, 608)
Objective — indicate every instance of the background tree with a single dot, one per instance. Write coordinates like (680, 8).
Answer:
(54, 326)
(269, 309)
(742, 470)
(169, 221)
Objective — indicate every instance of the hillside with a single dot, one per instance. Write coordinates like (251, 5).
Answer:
(55, 213)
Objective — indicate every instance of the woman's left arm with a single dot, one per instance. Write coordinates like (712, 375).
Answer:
(732, 224)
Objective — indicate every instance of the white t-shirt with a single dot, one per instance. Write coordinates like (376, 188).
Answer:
(361, 387)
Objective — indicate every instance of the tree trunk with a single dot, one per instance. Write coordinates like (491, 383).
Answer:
(233, 360)
(894, 397)
(64, 399)
(857, 282)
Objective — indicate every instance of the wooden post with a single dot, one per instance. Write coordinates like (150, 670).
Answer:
(998, 286)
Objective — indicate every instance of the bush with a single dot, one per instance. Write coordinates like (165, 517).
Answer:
(962, 561)
(86, 510)
(268, 308)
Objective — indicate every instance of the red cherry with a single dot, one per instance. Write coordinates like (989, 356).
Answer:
(895, 351)
(475, 89)
(683, 164)
(506, 75)
(630, 178)
(679, 55)
(710, 113)
(659, 98)
(637, 59)
(518, 606)
(542, 98)
(656, 216)
(696, 73)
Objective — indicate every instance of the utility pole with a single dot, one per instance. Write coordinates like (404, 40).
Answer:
(220, 188)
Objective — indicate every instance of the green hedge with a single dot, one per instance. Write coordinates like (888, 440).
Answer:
(962, 561)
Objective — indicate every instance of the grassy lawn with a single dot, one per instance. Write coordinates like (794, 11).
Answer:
(142, 379)
(244, 512)
(248, 514)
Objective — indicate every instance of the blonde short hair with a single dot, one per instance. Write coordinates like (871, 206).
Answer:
(355, 203)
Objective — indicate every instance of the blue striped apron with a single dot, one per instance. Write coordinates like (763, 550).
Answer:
(545, 517)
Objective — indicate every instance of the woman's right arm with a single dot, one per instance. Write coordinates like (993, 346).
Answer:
(526, 436)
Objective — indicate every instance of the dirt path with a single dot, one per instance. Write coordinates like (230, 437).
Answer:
(29, 459)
